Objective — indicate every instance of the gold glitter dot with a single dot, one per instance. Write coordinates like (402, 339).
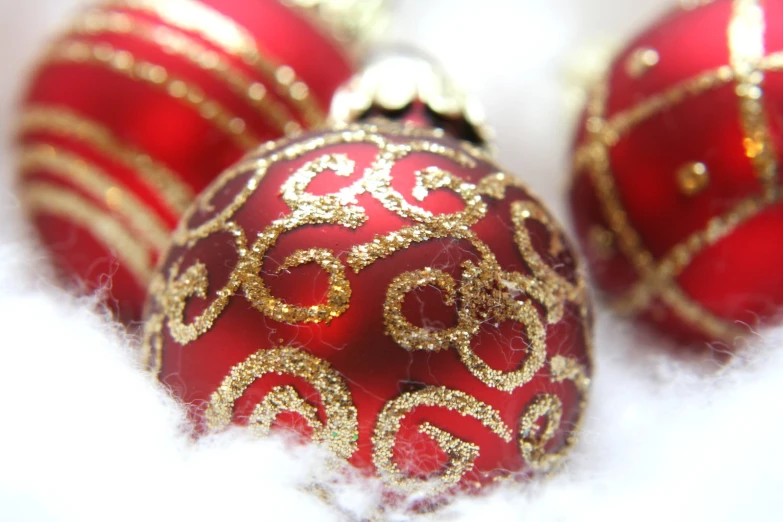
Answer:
(692, 178)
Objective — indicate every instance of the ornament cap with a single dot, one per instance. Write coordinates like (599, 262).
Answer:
(413, 89)
(351, 22)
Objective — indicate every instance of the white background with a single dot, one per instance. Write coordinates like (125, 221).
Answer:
(85, 436)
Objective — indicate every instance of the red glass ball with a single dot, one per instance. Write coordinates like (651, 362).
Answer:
(140, 104)
(387, 291)
(676, 194)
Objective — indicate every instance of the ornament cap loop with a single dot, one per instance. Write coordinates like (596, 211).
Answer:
(351, 22)
(411, 88)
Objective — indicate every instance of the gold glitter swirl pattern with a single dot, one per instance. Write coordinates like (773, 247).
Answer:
(193, 282)
(405, 334)
(461, 454)
(561, 369)
(338, 296)
(569, 369)
(532, 438)
(483, 293)
(285, 399)
(430, 227)
(341, 424)
(558, 290)
(317, 210)
(486, 298)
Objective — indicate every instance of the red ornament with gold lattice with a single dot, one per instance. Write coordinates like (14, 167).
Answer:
(676, 195)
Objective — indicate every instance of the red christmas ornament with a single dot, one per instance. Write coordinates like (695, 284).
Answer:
(141, 103)
(385, 290)
(676, 194)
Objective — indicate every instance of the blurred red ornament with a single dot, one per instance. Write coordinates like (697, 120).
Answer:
(141, 103)
(383, 289)
(676, 194)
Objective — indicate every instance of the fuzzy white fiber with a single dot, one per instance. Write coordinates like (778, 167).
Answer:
(86, 436)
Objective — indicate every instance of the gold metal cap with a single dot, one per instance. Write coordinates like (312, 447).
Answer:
(351, 22)
(391, 84)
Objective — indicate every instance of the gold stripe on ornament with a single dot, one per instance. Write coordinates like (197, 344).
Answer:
(178, 44)
(679, 257)
(623, 122)
(628, 240)
(695, 313)
(234, 40)
(82, 174)
(746, 45)
(651, 283)
(124, 63)
(49, 199)
(61, 121)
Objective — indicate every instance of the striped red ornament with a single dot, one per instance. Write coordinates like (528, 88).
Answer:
(141, 103)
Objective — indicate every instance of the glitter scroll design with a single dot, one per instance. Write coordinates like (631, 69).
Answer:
(483, 293)
(748, 62)
(461, 454)
(341, 425)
